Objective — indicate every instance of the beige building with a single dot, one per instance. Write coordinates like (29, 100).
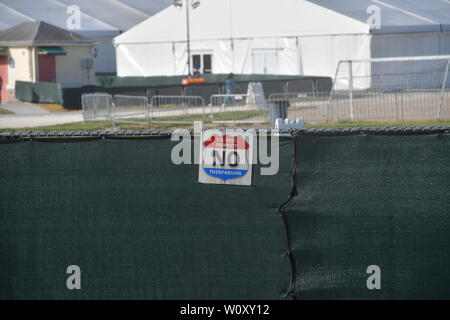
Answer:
(39, 52)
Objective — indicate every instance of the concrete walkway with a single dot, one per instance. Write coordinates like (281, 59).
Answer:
(24, 109)
(27, 115)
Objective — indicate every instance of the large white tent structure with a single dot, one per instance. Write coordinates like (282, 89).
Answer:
(100, 20)
(289, 37)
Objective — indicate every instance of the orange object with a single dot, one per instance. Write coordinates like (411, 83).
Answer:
(187, 81)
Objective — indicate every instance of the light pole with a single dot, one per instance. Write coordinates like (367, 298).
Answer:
(194, 4)
(188, 40)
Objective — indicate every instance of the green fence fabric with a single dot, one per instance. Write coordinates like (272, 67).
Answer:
(109, 81)
(48, 92)
(24, 91)
(39, 92)
(140, 227)
(372, 200)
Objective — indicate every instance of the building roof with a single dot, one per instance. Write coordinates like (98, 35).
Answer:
(98, 17)
(40, 33)
(396, 16)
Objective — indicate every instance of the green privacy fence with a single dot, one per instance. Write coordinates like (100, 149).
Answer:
(372, 200)
(141, 227)
(39, 92)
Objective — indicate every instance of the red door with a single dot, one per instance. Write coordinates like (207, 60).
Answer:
(3, 78)
(47, 68)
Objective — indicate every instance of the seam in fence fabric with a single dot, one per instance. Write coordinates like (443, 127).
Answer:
(282, 210)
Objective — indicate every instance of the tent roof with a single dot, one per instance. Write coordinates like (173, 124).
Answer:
(108, 17)
(150, 7)
(397, 16)
(243, 18)
(40, 33)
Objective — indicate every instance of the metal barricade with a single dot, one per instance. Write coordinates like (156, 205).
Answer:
(130, 109)
(237, 108)
(312, 107)
(177, 109)
(97, 106)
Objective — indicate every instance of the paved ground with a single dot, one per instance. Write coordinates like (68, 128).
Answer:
(31, 115)
(24, 109)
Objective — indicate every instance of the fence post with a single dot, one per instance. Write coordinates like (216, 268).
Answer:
(396, 105)
(151, 113)
(286, 87)
(401, 100)
(95, 111)
(83, 108)
(350, 92)
(146, 112)
(444, 83)
(203, 107)
(333, 88)
(114, 112)
(265, 113)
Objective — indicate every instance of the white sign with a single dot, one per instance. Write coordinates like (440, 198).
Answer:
(226, 158)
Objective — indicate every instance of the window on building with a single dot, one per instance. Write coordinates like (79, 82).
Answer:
(201, 63)
(196, 64)
(265, 62)
(207, 63)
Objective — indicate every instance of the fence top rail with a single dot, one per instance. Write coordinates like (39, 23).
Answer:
(129, 96)
(236, 95)
(97, 94)
(377, 91)
(179, 96)
(299, 94)
(196, 101)
(394, 59)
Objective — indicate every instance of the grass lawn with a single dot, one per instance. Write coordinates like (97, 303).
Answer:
(108, 125)
(4, 111)
(90, 126)
(411, 123)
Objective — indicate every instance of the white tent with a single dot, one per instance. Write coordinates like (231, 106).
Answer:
(292, 37)
(244, 36)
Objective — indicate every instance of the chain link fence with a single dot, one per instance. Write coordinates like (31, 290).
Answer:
(397, 105)
(391, 89)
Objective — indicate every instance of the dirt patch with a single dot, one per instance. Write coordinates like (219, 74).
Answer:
(53, 107)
